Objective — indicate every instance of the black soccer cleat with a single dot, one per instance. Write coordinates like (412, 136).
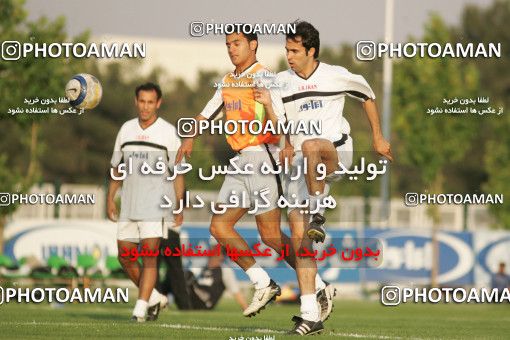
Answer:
(305, 327)
(153, 312)
(316, 231)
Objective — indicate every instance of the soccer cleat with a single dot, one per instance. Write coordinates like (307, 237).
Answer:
(316, 231)
(261, 298)
(305, 327)
(325, 300)
(153, 311)
(135, 318)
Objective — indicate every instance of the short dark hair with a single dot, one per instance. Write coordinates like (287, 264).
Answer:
(249, 36)
(149, 87)
(309, 36)
(252, 36)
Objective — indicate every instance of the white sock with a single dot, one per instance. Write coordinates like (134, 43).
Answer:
(155, 297)
(314, 199)
(309, 307)
(140, 308)
(325, 194)
(319, 284)
(258, 276)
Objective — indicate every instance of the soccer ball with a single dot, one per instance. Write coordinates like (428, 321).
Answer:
(84, 91)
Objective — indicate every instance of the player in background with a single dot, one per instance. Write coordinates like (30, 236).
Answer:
(316, 91)
(249, 103)
(147, 138)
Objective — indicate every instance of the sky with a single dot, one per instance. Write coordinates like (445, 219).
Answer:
(338, 20)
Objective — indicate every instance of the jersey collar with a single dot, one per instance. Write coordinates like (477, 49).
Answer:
(154, 122)
(246, 70)
(311, 74)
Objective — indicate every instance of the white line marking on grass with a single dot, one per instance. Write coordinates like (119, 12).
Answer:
(205, 328)
(262, 330)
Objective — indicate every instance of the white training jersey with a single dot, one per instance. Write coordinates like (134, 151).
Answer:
(321, 97)
(142, 194)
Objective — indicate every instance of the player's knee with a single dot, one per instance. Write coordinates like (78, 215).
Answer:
(149, 261)
(215, 229)
(310, 145)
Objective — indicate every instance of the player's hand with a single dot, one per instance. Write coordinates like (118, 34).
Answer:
(111, 211)
(261, 94)
(287, 152)
(178, 220)
(382, 146)
(184, 150)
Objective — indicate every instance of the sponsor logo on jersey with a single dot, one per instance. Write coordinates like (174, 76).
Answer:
(234, 105)
(311, 105)
(307, 87)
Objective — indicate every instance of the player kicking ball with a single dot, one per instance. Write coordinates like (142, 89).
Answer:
(316, 91)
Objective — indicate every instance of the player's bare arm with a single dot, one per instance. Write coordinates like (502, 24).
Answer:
(263, 96)
(111, 208)
(288, 151)
(187, 144)
(179, 196)
(381, 145)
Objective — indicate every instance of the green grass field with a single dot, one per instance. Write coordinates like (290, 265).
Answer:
(350, 319)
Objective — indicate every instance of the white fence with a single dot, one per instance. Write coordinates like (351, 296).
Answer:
(349, 213)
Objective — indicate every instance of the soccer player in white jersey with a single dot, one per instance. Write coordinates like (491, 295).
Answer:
(249, 104)
(151, 140)
(316, 91)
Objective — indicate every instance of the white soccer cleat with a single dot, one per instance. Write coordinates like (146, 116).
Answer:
(261, 298)
(135, 318)
(163, 303)
(325, 300)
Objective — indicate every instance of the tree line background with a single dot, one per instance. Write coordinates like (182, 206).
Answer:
(462, 153)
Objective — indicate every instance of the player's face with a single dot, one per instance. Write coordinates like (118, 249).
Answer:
(297, 57)
(147, 104)
(239, 49)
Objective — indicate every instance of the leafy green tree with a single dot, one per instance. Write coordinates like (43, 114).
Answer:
(432, 143)
(30, 78)
(493, 142)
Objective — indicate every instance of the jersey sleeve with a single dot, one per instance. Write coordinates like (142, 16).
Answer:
(356, 86)
(214, 106)
(117, 152)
